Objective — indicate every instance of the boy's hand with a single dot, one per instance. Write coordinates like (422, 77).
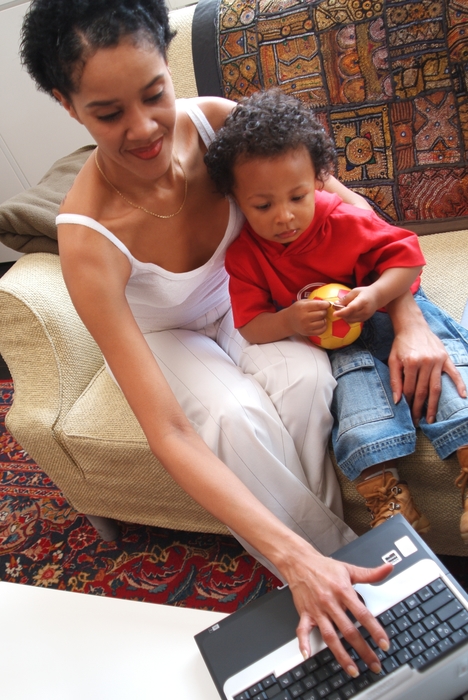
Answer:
(307, 317)
(360, 304)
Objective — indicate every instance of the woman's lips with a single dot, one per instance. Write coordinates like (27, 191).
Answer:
(147, 152)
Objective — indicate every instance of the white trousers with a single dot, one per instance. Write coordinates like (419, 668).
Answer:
(264, 410)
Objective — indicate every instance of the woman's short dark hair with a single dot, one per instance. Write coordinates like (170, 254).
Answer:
(265, 125)
(59, 35)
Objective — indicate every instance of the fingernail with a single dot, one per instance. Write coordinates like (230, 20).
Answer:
(352, 671)
(384, 645)
(395, 398)
(376, 668)
(431, 419)
(304, 654)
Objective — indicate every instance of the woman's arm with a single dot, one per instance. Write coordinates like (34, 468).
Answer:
(322, 588)
(334, 186)
(417, 360)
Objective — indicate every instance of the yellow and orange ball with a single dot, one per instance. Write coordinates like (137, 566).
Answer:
(339, 332)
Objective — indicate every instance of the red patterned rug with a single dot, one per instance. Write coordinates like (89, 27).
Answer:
(45, 542)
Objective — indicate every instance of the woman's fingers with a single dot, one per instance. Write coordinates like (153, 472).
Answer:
(327, 610)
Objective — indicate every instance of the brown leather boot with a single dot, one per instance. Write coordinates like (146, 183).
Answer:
(462, 482)
(386, 496)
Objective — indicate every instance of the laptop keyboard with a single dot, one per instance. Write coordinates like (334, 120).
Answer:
(421, 628)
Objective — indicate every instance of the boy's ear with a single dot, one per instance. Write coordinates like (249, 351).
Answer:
(66, 104)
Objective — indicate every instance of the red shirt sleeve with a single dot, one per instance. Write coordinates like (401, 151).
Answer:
(250, 293)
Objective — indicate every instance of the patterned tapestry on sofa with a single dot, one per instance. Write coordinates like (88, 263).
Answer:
(388, 79)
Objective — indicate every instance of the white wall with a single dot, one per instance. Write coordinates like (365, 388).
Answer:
(34, 130)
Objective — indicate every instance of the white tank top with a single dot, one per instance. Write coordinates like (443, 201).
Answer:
(160, 299)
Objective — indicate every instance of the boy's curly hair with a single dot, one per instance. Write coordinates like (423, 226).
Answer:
(58, 36)
(266, 125)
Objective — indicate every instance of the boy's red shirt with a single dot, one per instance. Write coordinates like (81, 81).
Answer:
(342, 244)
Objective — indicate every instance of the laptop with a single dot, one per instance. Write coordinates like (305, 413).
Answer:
(253, 654)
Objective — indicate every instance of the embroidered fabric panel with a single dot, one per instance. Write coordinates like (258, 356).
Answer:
(387, 79)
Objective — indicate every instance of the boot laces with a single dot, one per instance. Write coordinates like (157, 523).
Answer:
(462, 481)
(378, 501)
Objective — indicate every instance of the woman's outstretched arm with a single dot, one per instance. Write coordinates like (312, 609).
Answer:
(94, 269)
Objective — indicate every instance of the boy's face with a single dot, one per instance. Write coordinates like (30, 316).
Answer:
(277, 195)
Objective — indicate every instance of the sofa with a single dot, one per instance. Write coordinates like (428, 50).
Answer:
(349, 60)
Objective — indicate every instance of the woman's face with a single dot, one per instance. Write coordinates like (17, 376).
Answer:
(126, 101)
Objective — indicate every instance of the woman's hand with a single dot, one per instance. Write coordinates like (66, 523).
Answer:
(322, 594)
(417, 360)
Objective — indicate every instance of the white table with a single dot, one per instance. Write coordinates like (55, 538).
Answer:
(56, 645)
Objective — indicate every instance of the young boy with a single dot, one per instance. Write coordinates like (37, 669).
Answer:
(273, 156)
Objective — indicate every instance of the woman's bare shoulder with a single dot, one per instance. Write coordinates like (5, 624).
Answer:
(86, 194)
(215, 109)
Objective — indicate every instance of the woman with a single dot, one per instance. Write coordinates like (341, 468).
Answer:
(142, 236)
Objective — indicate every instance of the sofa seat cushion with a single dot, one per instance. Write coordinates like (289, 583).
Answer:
(105, 441)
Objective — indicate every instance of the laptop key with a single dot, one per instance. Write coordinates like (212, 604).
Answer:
(445, 645)
(255, 689)
(404, 639)
(390, 664)
(296, 690)
(386, 618)
(417, 630)
(324, 689)
(348, 691)
(430, 622)
(404, 655)
(411, 602)
(309, 682)
(430, 639)
(310, 665)
(268, 681)
(285, 680)
(416, 615)
(425, 593)
(272, 690)
(437, 601)
(443, 630)
(311, 695)
(438, 585)
(449, 610)
(416, 647)
(283, 695)
(459, 620)
(418, 662)
(432, 654)
(399, 609)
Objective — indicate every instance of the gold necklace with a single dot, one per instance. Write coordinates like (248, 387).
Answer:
(137, 206)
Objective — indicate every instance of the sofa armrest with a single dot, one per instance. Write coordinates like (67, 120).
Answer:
(49, 352)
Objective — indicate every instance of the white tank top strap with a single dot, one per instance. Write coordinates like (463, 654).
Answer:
(204, 127)
(81, 220)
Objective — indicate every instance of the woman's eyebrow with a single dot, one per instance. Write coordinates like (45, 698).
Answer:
(107, 103)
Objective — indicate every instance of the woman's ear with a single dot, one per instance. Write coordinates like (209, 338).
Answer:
(66, 104)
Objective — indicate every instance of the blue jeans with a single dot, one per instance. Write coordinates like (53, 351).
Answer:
(369, 428)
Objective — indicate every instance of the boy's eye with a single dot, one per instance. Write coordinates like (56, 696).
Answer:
(262, 207)
(298, 198)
